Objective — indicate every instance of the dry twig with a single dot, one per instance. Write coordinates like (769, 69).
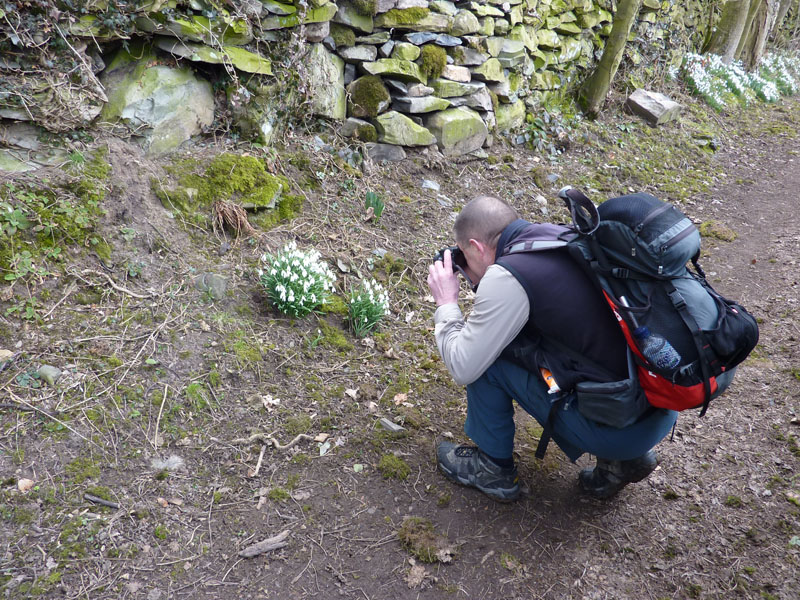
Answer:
(267, 439)
(273, 543)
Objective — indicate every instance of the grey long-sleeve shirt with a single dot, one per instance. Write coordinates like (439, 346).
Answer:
(500, 311)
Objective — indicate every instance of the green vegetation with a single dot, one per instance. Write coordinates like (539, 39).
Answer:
(343, 36)
(243, 180)
(39, 224)
(278, 494)
(367, 96)
(420, 538)
(407, 16)
(81, 469)
(717, 230)
(366, 8)
(393, 467)
(432, 60)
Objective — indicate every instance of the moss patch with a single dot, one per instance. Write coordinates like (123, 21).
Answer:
(243, 180)
(407, 16)
(366, 8)
(37, 225)
(432, 60)
(367, 97)
(343, 36)
(717, 230)
(393, 467)
(420, 538)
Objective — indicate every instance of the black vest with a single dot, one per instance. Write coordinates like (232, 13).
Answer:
(565, 307)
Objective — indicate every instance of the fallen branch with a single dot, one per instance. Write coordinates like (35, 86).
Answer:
(114, 285)
(98, 500)
(266, 545)
(267, 439)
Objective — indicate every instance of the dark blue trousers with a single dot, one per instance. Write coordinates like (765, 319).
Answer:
(490, 418)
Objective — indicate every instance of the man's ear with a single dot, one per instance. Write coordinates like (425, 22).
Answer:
(478, 245)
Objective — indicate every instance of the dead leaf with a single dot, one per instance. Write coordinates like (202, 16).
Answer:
(175, 501)
(343, 266)
(409, 316)
(446, 554)
(372, 408)
(301, 495)
(25, 485)
(416, 576)
(353, 393)
(162, 502)
(268, 401)
(400, 398)
(368, 342)
(6, 294)
(390, 353)
(321, 437)
(429, 298)
(370, 214)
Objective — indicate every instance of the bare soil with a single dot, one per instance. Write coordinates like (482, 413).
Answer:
(155, 370)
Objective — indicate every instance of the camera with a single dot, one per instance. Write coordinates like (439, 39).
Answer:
(459, 261)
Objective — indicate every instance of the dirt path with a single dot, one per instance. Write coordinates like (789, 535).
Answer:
(719, 519)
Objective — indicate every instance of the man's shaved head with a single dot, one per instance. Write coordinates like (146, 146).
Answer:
(483, 218)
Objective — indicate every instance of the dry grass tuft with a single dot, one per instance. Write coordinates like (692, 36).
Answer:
(230, 215)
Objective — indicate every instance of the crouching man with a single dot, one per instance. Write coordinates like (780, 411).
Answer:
(545, 301)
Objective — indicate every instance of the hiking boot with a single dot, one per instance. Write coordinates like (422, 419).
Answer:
(609, 476)
(470, 466)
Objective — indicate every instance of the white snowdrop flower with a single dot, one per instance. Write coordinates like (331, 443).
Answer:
(273, 272)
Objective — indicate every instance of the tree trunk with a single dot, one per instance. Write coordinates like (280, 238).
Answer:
(776, 28)
(595, 89)
(747, 34)
(758, 32)
(782, 10)
(729, 30)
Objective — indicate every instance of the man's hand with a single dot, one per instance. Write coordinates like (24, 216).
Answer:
(442, 281)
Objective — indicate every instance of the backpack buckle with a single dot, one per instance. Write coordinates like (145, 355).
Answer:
(677, 300)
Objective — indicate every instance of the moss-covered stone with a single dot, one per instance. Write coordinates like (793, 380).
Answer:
(405, 70)
(414, 19)
(240, 179)
(366, 8)
(367, 97)
(432, 60)
(402, 16)
(343, 36)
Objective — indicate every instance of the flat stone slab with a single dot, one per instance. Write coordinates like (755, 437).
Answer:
(358, 54)
(419, 104)
(398, 129)
(427, 37)
(385, 152)
(444, 88)
(458, 130)
(417, 90)
(653, 107)
(404, 70)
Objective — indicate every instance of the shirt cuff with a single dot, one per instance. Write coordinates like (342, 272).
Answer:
(447, 312)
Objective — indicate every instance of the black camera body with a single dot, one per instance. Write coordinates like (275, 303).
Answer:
(459, 262)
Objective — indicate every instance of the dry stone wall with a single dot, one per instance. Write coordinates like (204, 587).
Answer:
(394, 73)
(463, 71)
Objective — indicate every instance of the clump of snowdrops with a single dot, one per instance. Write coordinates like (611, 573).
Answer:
(719, 83)
(297, 281)
(367, 305)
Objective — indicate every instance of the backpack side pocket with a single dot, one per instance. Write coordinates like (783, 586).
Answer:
(616, 403)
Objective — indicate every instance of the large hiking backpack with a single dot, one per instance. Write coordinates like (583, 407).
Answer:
(636, 249)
